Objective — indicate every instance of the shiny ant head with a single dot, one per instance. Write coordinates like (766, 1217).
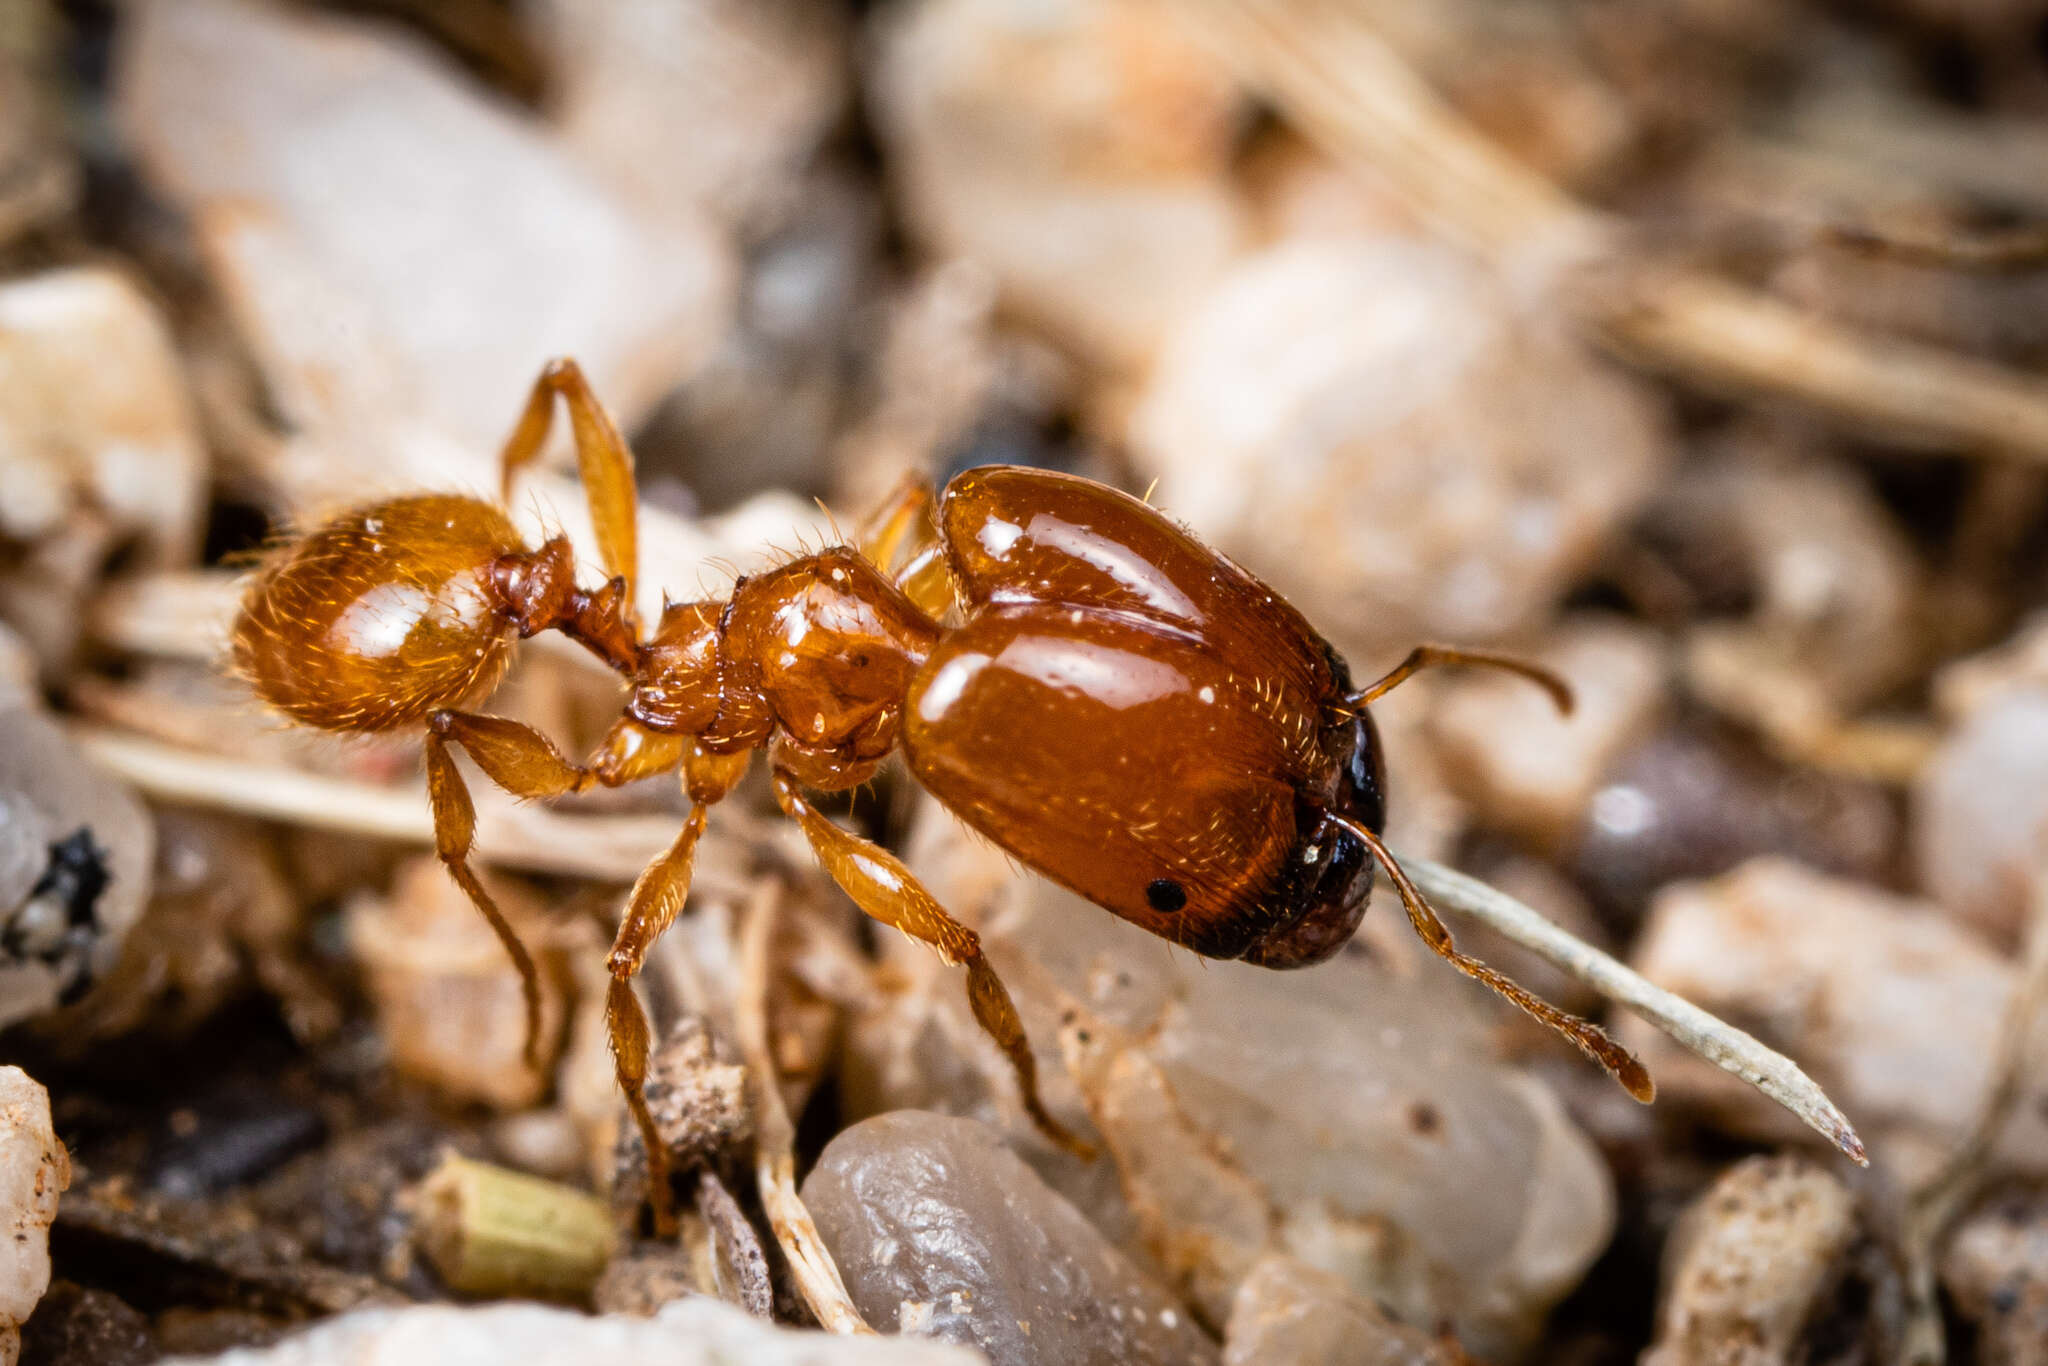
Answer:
(1329, 876)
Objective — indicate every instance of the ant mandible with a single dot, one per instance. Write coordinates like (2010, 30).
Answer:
(1118, 706)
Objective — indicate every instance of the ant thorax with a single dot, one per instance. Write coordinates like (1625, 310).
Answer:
(820, 650)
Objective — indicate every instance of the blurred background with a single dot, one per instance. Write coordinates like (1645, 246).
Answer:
(1689, 346)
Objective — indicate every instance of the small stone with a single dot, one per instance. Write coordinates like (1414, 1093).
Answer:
(1828, 583)
(447, 996)
(1891, 1006)
(1079, 151)
(698, 1097)
(1749, 1263)
(1288, 1312)
(2019, 664)
(1375, 426)
(692, 1332)
(1528, 771)
(1996, 1273)
(34, 1171)
(701, 104)
(222, 920)
(940, 1231)
(75, 853)
(77, 1326)
(402, 250)
(1355, 1115)
(94, 411)
(1980, 815)
(643, 1278)
(1691, 802)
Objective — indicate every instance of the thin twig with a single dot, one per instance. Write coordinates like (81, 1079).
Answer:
(817, 1275)
(1342, 86)
(1715, 1040)
(1935, 1205)
(510, 834)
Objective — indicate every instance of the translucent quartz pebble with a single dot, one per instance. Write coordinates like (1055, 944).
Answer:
(1981, 815)
(1287, 1311)
(941, 1231)
(1354, 1115)
(1382, 432)
(691, 1332)
(1894, 1008)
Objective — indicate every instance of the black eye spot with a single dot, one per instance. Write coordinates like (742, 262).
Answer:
(1164, 894)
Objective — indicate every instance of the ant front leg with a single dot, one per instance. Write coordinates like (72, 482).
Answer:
(882, 887)
(520, 760)
(904, 520)
(603, 460)
(657, 899)
(903, 524)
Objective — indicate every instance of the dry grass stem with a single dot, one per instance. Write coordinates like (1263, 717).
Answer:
(182, 614)
(817, 1275)
(1327, 70)
(510, 834)
(1720, 1043)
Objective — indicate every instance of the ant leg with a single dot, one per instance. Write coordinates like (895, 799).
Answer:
(927, 580)
(656, 900)
(603, 461)
(882, 887)
(1593, 1041)
(1427, 656)
(905, 523)
(906, 519)
(520, 760)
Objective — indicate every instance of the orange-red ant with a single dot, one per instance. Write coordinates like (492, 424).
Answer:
(1118, 706)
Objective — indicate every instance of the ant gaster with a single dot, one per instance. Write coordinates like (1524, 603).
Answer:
(1118, 706)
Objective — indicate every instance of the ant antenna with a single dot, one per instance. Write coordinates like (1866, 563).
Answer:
(1427, 656)
(1592, 1040)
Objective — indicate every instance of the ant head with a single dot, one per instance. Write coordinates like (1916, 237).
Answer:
(1329, 874)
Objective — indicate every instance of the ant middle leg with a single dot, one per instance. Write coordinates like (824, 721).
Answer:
(1429, 656)
(657, 898)
(883, 888)
(604, 462)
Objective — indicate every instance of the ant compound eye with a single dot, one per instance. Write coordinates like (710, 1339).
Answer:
(1164, 894)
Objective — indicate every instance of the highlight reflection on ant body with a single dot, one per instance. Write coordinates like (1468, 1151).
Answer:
(1118, 706)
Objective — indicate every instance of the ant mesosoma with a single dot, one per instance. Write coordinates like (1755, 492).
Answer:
(1080, 680)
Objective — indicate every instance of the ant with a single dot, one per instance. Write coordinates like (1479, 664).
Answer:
(1118, 706)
